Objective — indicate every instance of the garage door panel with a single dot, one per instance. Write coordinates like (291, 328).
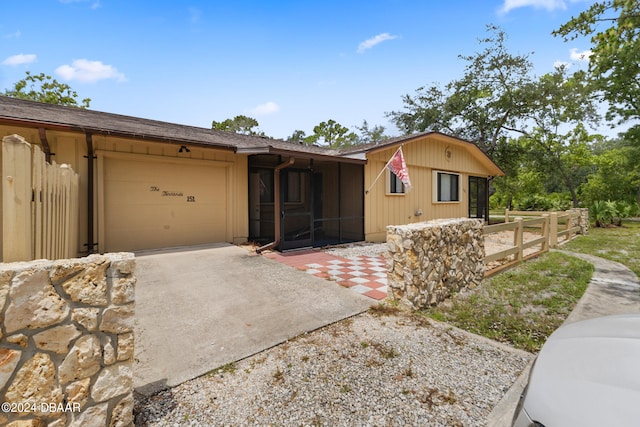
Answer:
(154, 205)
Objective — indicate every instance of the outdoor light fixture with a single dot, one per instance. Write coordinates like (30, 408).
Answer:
(184, 149)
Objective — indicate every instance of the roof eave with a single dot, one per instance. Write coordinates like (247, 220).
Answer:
(109, 132)
(492, 167)
(316, 156)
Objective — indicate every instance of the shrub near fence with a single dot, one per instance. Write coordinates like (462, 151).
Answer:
(39, 204)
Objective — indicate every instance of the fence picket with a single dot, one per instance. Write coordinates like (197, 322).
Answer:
(38, 180)
(39, 204)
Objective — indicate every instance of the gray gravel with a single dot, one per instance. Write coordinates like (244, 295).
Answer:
(373, 369)
(358, 249)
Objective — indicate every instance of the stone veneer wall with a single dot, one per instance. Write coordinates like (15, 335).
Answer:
(430, 260)
(583, 220)
(66, 342)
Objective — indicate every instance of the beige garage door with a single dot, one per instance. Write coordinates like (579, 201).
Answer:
(152, 204)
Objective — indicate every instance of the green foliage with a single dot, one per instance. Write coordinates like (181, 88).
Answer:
(616, 48)
(374, 135)
(43, 88)
(243, 125)
(335, 135)
(616, 175)
(610, 212)
(482, 106)
(601, 212)
(557, 100)
(297, 137)
(331, 134)
(543, 202)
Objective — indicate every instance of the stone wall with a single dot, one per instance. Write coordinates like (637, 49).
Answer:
(583, 220)
(66, 342)
(430, 260)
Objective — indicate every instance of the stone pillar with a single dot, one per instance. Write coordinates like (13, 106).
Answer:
(583, 219)
(66, 343)
(430, 260)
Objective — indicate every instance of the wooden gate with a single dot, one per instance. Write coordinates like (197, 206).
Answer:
(39, 204)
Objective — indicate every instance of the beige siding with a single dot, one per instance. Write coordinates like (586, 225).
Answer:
(148, 202)
(70, 147)
(422, 156)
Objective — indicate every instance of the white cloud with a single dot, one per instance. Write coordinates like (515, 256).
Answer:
(549, 5)
(580, 56)
(87, 71)
(265, 109)
(20, 59)
(369, 43)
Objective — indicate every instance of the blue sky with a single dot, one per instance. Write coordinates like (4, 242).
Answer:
(289, 64)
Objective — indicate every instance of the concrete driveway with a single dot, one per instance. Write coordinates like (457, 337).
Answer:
(203, 307)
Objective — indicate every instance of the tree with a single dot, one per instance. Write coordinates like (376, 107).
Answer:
(298, 136)
(559, 105)
(615, 177)
(42, 88)
(565, 159)
(614, 63)
(332, 134)
(483, 106)
(368, 135)
(239, 124)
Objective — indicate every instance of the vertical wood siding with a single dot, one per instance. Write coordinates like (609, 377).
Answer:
(423, 156)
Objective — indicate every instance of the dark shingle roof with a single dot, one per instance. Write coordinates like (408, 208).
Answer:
(57, 116)
(37, 114)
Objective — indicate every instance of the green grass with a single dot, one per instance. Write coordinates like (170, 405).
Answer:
(524, 305)
(621, 244)
(521, 306)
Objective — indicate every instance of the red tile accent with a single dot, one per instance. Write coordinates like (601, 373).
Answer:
(376, 294)
(302, 260)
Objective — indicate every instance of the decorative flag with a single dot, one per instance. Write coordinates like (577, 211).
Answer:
(398, 166)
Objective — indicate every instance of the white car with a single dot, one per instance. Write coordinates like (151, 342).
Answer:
(587, 374)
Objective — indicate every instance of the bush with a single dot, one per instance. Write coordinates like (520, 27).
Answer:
(540, 202)
(609, 212)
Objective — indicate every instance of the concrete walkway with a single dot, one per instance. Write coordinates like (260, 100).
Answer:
(613, 289)
(200, 308)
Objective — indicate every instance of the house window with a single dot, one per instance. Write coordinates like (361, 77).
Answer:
(395, 185)
(447, 187)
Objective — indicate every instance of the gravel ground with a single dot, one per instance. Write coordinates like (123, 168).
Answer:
(380, 368)
(372, 369)
(358, 249)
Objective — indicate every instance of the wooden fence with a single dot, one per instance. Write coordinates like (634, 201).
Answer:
(550, 226)
(39, 204)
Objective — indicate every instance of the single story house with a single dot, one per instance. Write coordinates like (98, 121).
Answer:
(146, 184)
